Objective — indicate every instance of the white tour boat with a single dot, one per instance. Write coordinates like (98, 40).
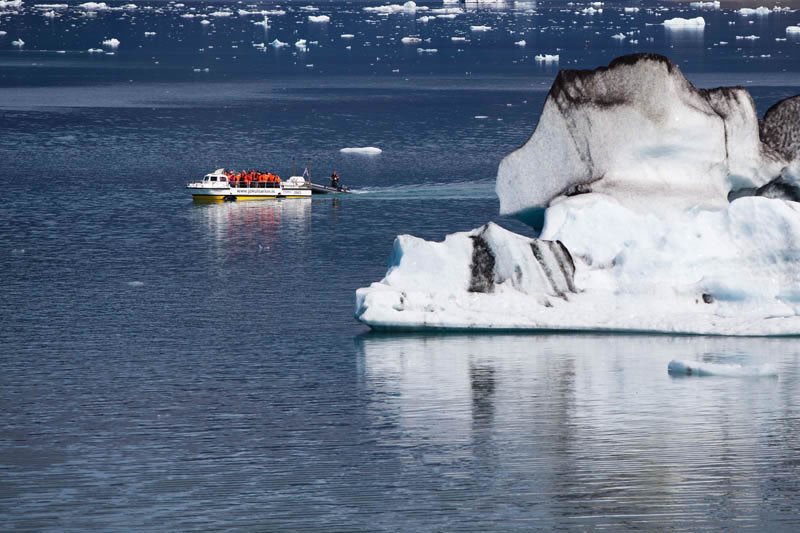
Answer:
(221, 186)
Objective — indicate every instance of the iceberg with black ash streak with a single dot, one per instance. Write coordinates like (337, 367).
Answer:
(662, 207)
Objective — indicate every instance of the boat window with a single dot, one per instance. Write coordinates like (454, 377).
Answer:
(213, 178)
(223, 178)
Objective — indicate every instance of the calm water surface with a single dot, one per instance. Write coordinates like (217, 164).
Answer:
(170, 366)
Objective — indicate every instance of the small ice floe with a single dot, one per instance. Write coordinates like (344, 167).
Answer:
(264, 23)
(619, 36)
(365, 150)
(793, 29)
(4, 4)
(546, 58)
(480, 28)
(149, 33)
(94, 6)
(457, 39)
(50, 14)
(749, 11)
(130, 7)
(301, 45)
(678, 367)
(205, 22)
(112, 43)
(480, 117)
(3, 33)
(427, 50)
(410, 40)
(278, 44)
(590, 11)
(408, 7)
(521, 43)
(220, 14)
(95, 50)
(747, 37)
(715, 4)
(347, 36)
(425, 19)
(19, 43)
(319, 18)
(678, 22)
(631, 10)
(135, 284)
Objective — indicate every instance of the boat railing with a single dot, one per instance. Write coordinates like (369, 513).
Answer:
(256, 185)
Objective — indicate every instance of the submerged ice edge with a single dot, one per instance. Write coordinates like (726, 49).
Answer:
(668, 209)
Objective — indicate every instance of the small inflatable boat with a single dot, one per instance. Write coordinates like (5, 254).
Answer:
(318, 188)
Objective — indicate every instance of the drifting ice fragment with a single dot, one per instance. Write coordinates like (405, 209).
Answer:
(112, 43)
(546, 58)
(698, 22)
(366, 150)
(319, 18)
(701, 369)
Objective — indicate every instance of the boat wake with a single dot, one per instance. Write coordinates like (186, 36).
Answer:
(460, 190)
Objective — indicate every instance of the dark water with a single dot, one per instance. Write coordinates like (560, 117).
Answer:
(168, 366)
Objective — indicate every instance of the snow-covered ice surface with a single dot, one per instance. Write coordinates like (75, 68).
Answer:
(666, 209)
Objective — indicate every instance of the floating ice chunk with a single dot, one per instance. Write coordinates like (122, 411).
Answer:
(521, 43)
(366, 150)
(457, 39)
(51, 6)
(135, 284)
(347, 36)
(112, 43)
(480, 117)
(278, 44)
(410, 40)
(149, 33)
(220, 14)
(130, 7)
(301, 45)
(3, 33)
(49, 14)
(697, 22)
(631, 10)
(319, 18)
(793, 29)
(591, 11)
(747, 37)
(678, 367)
(748, 11)
(425, 19)
(480, 28)
(95, 50)
(264, 23)
(10, 3)
(94, 6)
(714, 4)
(19, 43)
(205, 22)
(547, 58)
(427, 50)
(408, 7)
(619, 36)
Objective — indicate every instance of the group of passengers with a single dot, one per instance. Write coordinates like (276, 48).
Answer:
(253, 178)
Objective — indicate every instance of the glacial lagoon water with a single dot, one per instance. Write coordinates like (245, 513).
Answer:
(170, 366)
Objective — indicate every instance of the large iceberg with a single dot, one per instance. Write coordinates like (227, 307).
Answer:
(662, 207)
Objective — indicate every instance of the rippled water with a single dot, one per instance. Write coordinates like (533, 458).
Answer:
(170, 366)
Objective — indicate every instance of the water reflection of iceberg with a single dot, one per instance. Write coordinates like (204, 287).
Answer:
(597, 417)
